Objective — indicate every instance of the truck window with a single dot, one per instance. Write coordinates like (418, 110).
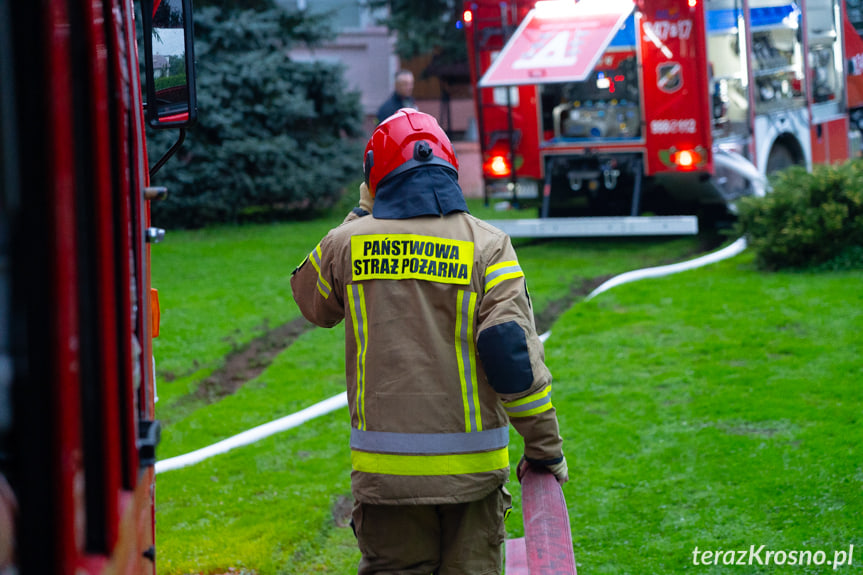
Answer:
(728, 69)
(605, 106)
(777, 60)
(825, 54)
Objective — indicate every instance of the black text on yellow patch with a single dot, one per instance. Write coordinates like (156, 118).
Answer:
(410, 256)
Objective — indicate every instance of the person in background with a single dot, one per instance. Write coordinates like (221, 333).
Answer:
(441, 356)
(402, 97)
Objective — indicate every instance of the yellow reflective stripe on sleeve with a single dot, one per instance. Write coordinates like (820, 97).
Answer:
(528, 398)
(315, 257)
(323, 285)
(465, 350)
(502, 271)
(530, 412)
(357, 304)
(530, 405)
(455, 464)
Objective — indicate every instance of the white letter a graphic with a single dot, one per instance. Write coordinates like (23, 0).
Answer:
(552, 55)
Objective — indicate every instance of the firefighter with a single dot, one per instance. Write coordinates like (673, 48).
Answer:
(441, 354)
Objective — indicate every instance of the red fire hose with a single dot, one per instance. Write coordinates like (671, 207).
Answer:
(546, 548)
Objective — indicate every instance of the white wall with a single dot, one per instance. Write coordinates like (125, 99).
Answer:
(368, 59)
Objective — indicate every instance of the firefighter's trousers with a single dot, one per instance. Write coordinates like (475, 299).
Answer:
(453, 539)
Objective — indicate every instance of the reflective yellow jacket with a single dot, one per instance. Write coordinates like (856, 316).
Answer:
(441, 354)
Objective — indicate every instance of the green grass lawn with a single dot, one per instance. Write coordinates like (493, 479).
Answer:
(719, 408)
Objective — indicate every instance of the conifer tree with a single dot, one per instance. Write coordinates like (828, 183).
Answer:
(275, 138)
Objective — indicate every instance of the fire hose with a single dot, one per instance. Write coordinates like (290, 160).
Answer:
(546, 547)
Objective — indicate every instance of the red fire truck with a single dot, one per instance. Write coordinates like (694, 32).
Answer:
(853, 31)
(77, 315)
(633, 107)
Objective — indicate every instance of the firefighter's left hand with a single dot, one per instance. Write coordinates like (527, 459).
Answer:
(560, 470)
(367, 202)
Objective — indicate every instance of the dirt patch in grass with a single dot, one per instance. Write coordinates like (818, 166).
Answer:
(707, 242)
(556, 308)
(247, 362)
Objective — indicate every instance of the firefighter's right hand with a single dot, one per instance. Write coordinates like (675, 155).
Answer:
(559, 470)
(366, 199)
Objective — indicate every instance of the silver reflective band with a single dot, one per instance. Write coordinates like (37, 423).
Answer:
(390, 442)
(465, 347)
(528, 406)
(501, 271)
(356, 296)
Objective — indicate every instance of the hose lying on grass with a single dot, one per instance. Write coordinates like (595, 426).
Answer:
(341, 400)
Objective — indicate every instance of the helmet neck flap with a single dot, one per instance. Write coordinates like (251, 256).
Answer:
(430, 191)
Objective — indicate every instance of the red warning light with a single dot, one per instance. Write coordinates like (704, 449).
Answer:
(467, 17)
(497, 166)
(687, 159)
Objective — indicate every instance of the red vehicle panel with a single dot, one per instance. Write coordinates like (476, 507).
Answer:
(674, 74)
(494, 118)
(854, 56)
(77, 435)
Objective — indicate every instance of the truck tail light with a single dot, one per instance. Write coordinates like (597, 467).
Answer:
(684, 158)
(687, 159)
(467, 17)
(497, 166)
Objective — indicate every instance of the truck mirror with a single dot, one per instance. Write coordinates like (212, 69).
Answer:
(170, 63)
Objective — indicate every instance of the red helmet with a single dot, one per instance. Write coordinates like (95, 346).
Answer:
(406, 140)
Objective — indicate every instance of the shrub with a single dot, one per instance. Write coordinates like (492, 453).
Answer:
(808, 220)
(275, 138)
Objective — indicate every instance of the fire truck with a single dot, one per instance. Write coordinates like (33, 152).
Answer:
(77, 313)
(853, 30)
(641, 117)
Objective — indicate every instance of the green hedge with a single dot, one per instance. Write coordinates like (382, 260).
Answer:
(808, 220)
